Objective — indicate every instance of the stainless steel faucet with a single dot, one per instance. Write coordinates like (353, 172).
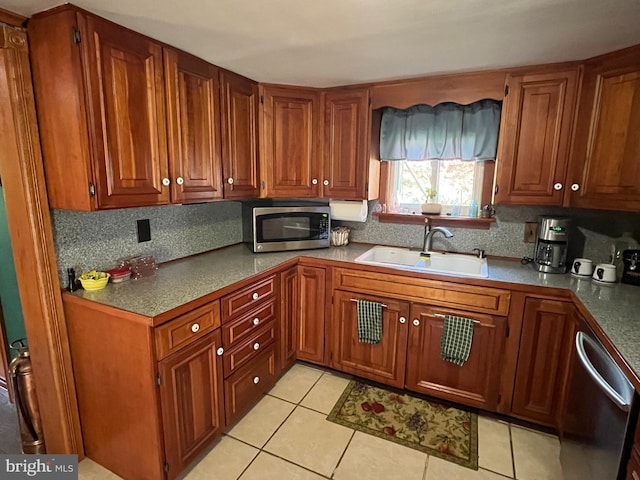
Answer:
(430, 232)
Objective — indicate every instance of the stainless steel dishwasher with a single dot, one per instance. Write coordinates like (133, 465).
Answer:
(597, 413)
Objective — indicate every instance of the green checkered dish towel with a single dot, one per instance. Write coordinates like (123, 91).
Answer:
(369, 322)
(455, 342)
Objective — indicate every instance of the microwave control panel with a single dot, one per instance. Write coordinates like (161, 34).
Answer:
(323, 228)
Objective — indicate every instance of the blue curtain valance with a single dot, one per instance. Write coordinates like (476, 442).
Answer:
(445, 132)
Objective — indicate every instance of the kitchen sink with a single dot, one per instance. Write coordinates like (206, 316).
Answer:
(447, 263)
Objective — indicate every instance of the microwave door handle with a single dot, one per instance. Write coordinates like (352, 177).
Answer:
(614, 396)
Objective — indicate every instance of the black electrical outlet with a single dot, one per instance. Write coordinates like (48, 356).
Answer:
(144, 230)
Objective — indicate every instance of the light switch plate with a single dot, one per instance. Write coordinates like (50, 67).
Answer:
(530, 232)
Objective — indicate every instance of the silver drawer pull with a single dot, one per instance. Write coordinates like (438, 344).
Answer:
(256, 380)
(195, 327)
(255, 296)
(403, 320)
(256, 346)
(256, 321)
(220, 351)
(416, 322)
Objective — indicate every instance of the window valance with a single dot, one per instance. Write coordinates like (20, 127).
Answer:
(444, 132)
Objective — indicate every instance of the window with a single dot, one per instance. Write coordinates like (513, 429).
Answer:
(456, 182)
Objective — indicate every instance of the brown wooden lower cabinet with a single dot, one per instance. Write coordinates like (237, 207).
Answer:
(289, 308)
(191, 398)
(311, 314)
(543, 358)
(383, 362)
(476, 383)
(243, 389)
(633, 466)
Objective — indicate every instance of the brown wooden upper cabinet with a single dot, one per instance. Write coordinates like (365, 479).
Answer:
(193, 115)
(350, 170)
(535, 137)
(102, 95)
(605, 165)
(239, 98)
(317, 144)
(291, 149)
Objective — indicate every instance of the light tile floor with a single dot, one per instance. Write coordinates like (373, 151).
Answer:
(286, 437)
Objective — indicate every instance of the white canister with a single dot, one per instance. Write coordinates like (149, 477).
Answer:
(605, 272)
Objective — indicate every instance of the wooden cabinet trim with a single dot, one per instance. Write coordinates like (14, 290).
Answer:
(470, 297)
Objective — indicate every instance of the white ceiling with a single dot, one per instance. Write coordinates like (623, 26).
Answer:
(337, 42)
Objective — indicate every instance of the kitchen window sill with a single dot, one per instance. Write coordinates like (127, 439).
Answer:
(435, 220)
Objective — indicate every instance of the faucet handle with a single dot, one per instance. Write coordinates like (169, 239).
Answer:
(480, 252)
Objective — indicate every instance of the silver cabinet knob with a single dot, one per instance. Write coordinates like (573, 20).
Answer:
(403, 320)
(179, 180)
(314, 181)
(255, 296)
(325, 183)
(220, 351)
(230, 181)
(256, 346)
(557, 186)
(416, 322)
(575, 187)
(166, 182)
(256, 380)
(195, 327)
(256, 321)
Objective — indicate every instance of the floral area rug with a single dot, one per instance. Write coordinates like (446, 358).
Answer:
(430, 427)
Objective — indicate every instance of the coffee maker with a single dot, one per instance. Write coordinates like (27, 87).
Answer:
(552, 245)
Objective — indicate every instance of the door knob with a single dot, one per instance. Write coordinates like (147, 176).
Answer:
(314, 181)
(179, 180)
(256, 380)
(325, 183)
(575, 187)
(230, 181)
(256, 346)
(255, 296)
(166, 182)
(403, 320)
(256, 321)
(557, 186)
(416, 322)
(220, 351)
(195, 327)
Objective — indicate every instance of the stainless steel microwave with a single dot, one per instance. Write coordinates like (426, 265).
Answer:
(274, 229)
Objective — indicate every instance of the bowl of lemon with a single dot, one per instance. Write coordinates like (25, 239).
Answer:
(94, 280)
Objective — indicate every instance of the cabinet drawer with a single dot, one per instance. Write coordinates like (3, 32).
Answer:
(247, 298)
(455, 295)
(249, 349)
(185, 329)
(243, 388)
(247, 324)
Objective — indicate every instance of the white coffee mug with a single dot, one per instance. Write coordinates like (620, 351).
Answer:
(605, 272)
(582, 267)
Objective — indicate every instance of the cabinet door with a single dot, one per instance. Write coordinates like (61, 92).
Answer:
(126, 96)
(476, 383)
(535, 138)
(192, 401)
(290, 152)
(289, 308)
(239, 100)
(545, 348)
(346, 146)
(383, 362)
(311, 312)
(605, 166)
(194, 128)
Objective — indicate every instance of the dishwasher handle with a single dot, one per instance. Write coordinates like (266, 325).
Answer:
(613, 395)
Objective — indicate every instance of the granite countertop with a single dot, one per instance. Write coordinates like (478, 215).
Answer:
(616, 308)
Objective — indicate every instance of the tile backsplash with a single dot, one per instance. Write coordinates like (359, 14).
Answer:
(592, 239)
(88, 240)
